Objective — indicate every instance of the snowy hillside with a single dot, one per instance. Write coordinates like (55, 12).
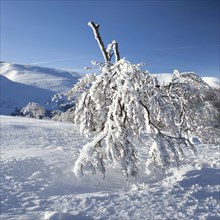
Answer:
(21, 84)
(42, 77)
(37, 181)
(16, 95)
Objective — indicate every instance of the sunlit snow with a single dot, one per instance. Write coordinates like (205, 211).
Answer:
(37, 181)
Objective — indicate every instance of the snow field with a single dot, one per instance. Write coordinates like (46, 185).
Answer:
(37, 181)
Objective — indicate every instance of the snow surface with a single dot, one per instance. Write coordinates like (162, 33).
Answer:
(37, 181)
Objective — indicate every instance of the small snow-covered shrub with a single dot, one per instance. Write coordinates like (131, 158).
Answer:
(67, 116)
(34, 110)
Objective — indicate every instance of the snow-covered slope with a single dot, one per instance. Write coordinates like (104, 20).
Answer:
(17, 95)
(37, 181)
(21, 84)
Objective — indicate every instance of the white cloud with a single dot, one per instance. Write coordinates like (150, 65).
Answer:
(55, 60)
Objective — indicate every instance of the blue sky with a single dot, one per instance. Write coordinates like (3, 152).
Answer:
(166, 35)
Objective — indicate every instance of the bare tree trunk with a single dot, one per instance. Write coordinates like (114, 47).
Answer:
(114, 45)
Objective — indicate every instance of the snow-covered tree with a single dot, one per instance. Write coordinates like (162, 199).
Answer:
(122, 102)
(33, 110)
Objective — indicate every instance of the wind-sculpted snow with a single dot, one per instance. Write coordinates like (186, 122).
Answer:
(37, 181)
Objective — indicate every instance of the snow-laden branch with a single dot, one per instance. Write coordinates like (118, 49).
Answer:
(116, 52)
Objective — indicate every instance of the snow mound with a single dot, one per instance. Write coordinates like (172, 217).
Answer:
(42, 77)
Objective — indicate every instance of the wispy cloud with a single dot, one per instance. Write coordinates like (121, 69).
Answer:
(56, 60)
(184, 47)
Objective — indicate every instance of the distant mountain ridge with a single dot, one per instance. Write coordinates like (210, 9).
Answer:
(52, 79)
(21, 84)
